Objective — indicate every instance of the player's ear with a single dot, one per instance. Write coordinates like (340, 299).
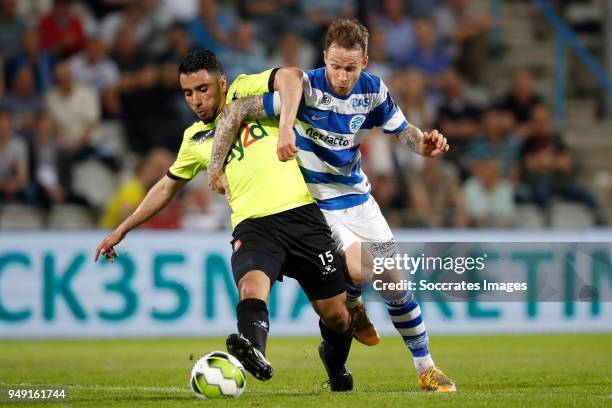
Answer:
(364, 62)
(325, 56)
(223, 83)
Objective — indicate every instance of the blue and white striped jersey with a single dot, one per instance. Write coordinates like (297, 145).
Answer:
(327, 135)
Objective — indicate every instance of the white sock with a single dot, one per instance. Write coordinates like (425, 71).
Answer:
(423, 364)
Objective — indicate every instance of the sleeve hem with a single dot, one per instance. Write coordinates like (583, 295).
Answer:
(174, 177)
(271, 79)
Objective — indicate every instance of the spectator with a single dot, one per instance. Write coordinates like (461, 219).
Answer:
(521, 100)
(94, 68)
(14, 164)
(294, 52)
(436, 196)
(548, 170)
(22, 101)
(318, 14)
(246, 56)
(427, 55)
(131, 193)
(389, 198)
(137, 86)
(213, 26)
(61, 31)
(31, 11)
(38, 59)
(467, 30)
(489, 198)
(180, 10)
(102, 8)
(398, 31)
(202, 209)
(74, 107)
(457, 116)
(274, 18)
(160, 22)
(418, 109)
(46, 157)
(144, 19)
(495, 142)
(175, 111)
(379, 63)
(387, 163)
(11, 28)
(422, 8)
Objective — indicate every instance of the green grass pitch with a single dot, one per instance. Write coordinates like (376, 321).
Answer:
(516, 370)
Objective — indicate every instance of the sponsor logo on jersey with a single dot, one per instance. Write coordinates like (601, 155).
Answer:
(360, 102)
(203, 135)
(327, 139)
(249, 134)
(356, 122)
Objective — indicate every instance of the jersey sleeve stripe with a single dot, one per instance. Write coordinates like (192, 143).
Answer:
(401, 127)
(271, 80)
(175, 177)
(268, 103)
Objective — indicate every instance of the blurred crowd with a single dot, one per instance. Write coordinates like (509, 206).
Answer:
(94, 83)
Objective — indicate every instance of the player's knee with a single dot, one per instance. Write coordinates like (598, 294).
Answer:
(337, 319)
(250, 287)
(354, 272)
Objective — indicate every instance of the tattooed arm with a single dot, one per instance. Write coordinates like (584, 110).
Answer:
(252, 108)
(429, 144)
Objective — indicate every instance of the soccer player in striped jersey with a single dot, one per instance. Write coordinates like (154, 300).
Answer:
(339, 100)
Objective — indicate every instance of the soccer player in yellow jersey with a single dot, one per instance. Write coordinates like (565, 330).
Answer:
(278, 229)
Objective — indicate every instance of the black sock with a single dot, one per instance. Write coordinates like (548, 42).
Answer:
(340, 343)
(253, 322)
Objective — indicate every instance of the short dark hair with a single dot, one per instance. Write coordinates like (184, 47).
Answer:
(349, 34)
(198, 60)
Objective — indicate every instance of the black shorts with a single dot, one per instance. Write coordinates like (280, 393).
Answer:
(295, 243)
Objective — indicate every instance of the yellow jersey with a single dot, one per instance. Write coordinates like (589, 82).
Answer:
(260, 183)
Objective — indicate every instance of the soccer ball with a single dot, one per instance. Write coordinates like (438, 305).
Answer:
(217, 374)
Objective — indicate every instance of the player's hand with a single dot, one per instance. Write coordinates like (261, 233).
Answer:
(433, 144)
(286, 148)
(217, 181)
(107, 246)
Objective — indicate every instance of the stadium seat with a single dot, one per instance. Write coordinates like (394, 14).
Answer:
(110, 134)
(570, 215)
(94, 182)
(68, 216)
(530, 217)
(16, 216)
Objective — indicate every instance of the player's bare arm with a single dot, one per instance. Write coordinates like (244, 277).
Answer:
(428, 144)
(156, 199)
(233, 114)
(289, 84)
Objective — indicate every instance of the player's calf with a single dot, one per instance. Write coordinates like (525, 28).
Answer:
(334, 350)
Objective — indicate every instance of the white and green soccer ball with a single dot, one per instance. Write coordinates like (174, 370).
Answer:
(216, 375)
